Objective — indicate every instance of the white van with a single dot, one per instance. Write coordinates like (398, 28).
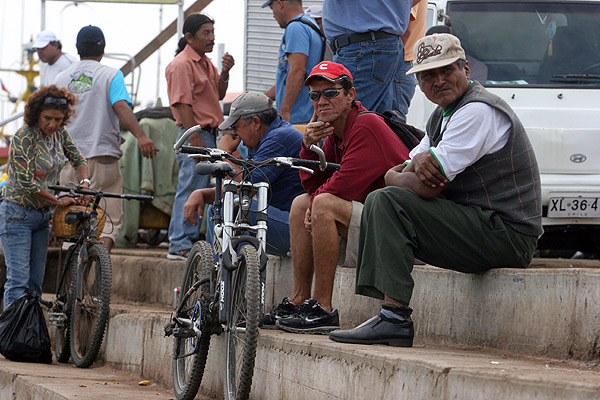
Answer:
(543, 59)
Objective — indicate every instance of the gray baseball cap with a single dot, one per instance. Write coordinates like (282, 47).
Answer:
(267, 3)
(249, 103)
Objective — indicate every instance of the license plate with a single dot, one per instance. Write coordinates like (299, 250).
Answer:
(574, 207)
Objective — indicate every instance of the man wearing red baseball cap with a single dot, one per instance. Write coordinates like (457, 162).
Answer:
(327, 218)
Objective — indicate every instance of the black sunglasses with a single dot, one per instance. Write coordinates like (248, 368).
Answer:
(327, 93)
(54, 101)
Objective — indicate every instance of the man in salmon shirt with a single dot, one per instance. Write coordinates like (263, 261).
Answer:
(327, 217)
(195, 88)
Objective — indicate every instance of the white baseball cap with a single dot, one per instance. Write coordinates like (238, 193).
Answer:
(435, 51)
(43, 38)
(315, 11)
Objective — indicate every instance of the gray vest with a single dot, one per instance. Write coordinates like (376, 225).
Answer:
(507, 181)
(95, 126)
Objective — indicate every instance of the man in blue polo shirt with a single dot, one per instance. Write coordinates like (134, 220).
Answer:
(254, 120)
(300, 50)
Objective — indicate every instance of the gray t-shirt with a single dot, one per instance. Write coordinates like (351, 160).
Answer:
(95, 126)
(49, 72)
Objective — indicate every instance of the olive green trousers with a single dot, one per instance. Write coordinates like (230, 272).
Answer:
(398, 226)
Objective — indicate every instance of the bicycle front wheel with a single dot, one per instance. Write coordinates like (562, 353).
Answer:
(90, 310)
(242, 325)
(62, 349)
(189, 353)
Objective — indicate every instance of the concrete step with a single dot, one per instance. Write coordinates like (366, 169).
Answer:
(304, 367)
(24, 381)
(551, 309)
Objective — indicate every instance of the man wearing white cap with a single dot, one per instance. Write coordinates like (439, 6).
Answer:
(49, 50)
(469, 198)
(316, 11)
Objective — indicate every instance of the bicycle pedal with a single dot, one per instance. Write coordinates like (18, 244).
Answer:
(168, 328)
(184, 332)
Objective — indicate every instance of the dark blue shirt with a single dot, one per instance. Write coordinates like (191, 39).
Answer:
(280, 140)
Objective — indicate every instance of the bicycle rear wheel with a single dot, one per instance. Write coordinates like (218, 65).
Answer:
(90, 312)
(62, 306)
(242, 325)
(189, 353)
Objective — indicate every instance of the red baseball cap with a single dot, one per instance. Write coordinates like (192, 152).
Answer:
(329, 70)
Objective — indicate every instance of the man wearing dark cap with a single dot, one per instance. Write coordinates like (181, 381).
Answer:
(254, 120)
(469, 198)
(103, 102)
(54, 61)
(366, 148)
(300, 49)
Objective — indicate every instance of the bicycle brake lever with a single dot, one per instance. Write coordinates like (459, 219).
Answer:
(202, 156)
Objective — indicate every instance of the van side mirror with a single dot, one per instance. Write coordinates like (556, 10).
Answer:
(438, 29)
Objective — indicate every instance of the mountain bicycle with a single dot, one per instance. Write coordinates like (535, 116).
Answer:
(223, 287)
(82, 306)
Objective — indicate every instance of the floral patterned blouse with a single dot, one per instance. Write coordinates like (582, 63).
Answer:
(35, 160)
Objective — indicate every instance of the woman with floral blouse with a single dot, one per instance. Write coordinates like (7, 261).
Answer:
(37, 154)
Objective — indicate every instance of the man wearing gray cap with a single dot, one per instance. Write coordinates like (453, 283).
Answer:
(469, 198)
(254, 120)
(49, 50)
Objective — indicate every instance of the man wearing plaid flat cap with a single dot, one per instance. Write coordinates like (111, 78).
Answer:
(324, 222)
(468, 198)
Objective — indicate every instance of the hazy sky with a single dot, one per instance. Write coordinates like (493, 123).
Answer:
(127, 28)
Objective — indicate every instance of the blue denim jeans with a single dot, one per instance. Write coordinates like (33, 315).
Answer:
(24, 235)
(379, 74)
(278, 229)
(182, 234)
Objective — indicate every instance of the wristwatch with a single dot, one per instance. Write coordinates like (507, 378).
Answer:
(86, 180)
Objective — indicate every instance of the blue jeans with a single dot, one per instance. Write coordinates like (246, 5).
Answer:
(182, 234)
(379, 74)
(24, 235)
(278, 229)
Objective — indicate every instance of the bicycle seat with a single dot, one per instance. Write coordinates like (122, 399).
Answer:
(210, 168)
(75, 216)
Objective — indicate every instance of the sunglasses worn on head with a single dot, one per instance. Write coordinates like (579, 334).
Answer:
(327, 93)
(54, 101)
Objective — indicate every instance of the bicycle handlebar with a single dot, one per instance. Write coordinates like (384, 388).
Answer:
(185, 136)
(91, 192)
(213, 155)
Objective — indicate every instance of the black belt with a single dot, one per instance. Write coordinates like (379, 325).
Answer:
(211, 130)
(345, 40)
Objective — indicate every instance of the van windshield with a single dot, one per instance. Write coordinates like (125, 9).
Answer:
(529, 43)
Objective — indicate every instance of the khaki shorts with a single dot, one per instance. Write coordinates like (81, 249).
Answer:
(105, 174)
(349, 247)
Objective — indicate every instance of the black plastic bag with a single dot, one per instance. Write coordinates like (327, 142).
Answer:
(23, 331)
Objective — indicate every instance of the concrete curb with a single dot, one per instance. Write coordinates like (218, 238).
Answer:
(312, 367)
(552, 312)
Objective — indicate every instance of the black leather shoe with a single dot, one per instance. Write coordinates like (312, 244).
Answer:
(378, 330)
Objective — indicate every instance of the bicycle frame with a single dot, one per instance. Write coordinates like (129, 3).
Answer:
(229, 229)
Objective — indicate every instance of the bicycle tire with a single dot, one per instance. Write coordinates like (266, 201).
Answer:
(62, 347)
(89, 315)
(244, 311)
(188, 371)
